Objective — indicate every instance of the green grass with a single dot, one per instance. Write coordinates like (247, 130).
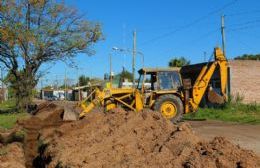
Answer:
(8, 120)
(9, 114)
(233, 112)
(7, 106)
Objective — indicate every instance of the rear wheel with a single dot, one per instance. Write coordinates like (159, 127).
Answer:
(170, 106)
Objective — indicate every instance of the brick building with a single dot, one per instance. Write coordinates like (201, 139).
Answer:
(245, 79)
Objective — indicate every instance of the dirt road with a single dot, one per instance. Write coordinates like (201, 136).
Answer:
(247, 136)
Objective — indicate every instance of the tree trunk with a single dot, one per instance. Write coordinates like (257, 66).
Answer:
(23, 85)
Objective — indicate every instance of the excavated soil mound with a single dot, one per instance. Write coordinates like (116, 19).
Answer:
(115, 139)
(12, 156)
(128, 139)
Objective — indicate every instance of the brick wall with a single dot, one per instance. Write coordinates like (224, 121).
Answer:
(245, 79)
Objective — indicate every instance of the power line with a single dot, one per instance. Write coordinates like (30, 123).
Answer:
(242, 43)
(243, 13)
(249, 34)
(242, 28)
(194, 42)
(203, 36)
(190, 24)
(246, 23)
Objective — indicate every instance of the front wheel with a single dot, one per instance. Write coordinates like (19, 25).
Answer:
(170, 106)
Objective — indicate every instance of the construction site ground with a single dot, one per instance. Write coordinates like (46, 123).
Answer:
(245, 135)
(126, 139)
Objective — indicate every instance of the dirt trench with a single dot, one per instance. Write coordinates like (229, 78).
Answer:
(48, 116)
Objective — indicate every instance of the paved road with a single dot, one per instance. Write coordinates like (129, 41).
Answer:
(247, 136)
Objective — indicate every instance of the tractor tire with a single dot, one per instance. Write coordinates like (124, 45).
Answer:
(170, 106)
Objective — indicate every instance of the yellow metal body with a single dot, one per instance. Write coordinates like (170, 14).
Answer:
(203, 80)
(168, 109)
(136, 100)
(112, 97)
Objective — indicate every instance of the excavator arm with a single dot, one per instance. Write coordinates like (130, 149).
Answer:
(202, 82)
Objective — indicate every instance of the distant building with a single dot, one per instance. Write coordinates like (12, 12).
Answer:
(80, 93)
(56, 94)
(245, 80)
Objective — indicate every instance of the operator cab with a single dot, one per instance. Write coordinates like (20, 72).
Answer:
(155, 81)
(159, 79)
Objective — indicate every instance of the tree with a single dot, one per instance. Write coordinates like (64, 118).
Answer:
(178, 62)
(36, 32)
(83, 80)
(47, 87)
(125, 75)
(248, 57)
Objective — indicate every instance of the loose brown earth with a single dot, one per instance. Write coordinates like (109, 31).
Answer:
(12, 156)
(123, 139)
(245, 135)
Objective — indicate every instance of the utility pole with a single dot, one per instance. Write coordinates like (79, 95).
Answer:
(42, 91)
(205, 56)
(2, 85)
(41, 84)
(65, 84)
(223, 34)
(124, 44)
(228, 88)
(56, 82)
(110, 73)
(78, 84)
(134, 55)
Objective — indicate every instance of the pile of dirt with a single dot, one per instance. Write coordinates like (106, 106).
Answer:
(12, 155)
(128, 139)
(11, 148)
(114, 139)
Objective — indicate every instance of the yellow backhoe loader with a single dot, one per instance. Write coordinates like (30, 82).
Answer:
(163, 90)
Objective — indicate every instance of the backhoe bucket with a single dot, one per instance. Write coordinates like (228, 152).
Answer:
(71, 113)
(215, 98)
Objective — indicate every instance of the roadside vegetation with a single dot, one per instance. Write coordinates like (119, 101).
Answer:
(9, 115)
(232, 112)
(8, 120)
(7, 106)
(248, 57)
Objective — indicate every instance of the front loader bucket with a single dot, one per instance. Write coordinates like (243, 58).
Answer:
(71, 113)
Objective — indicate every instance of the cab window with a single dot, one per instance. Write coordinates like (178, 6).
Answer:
(169, 80)
(140, 81)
